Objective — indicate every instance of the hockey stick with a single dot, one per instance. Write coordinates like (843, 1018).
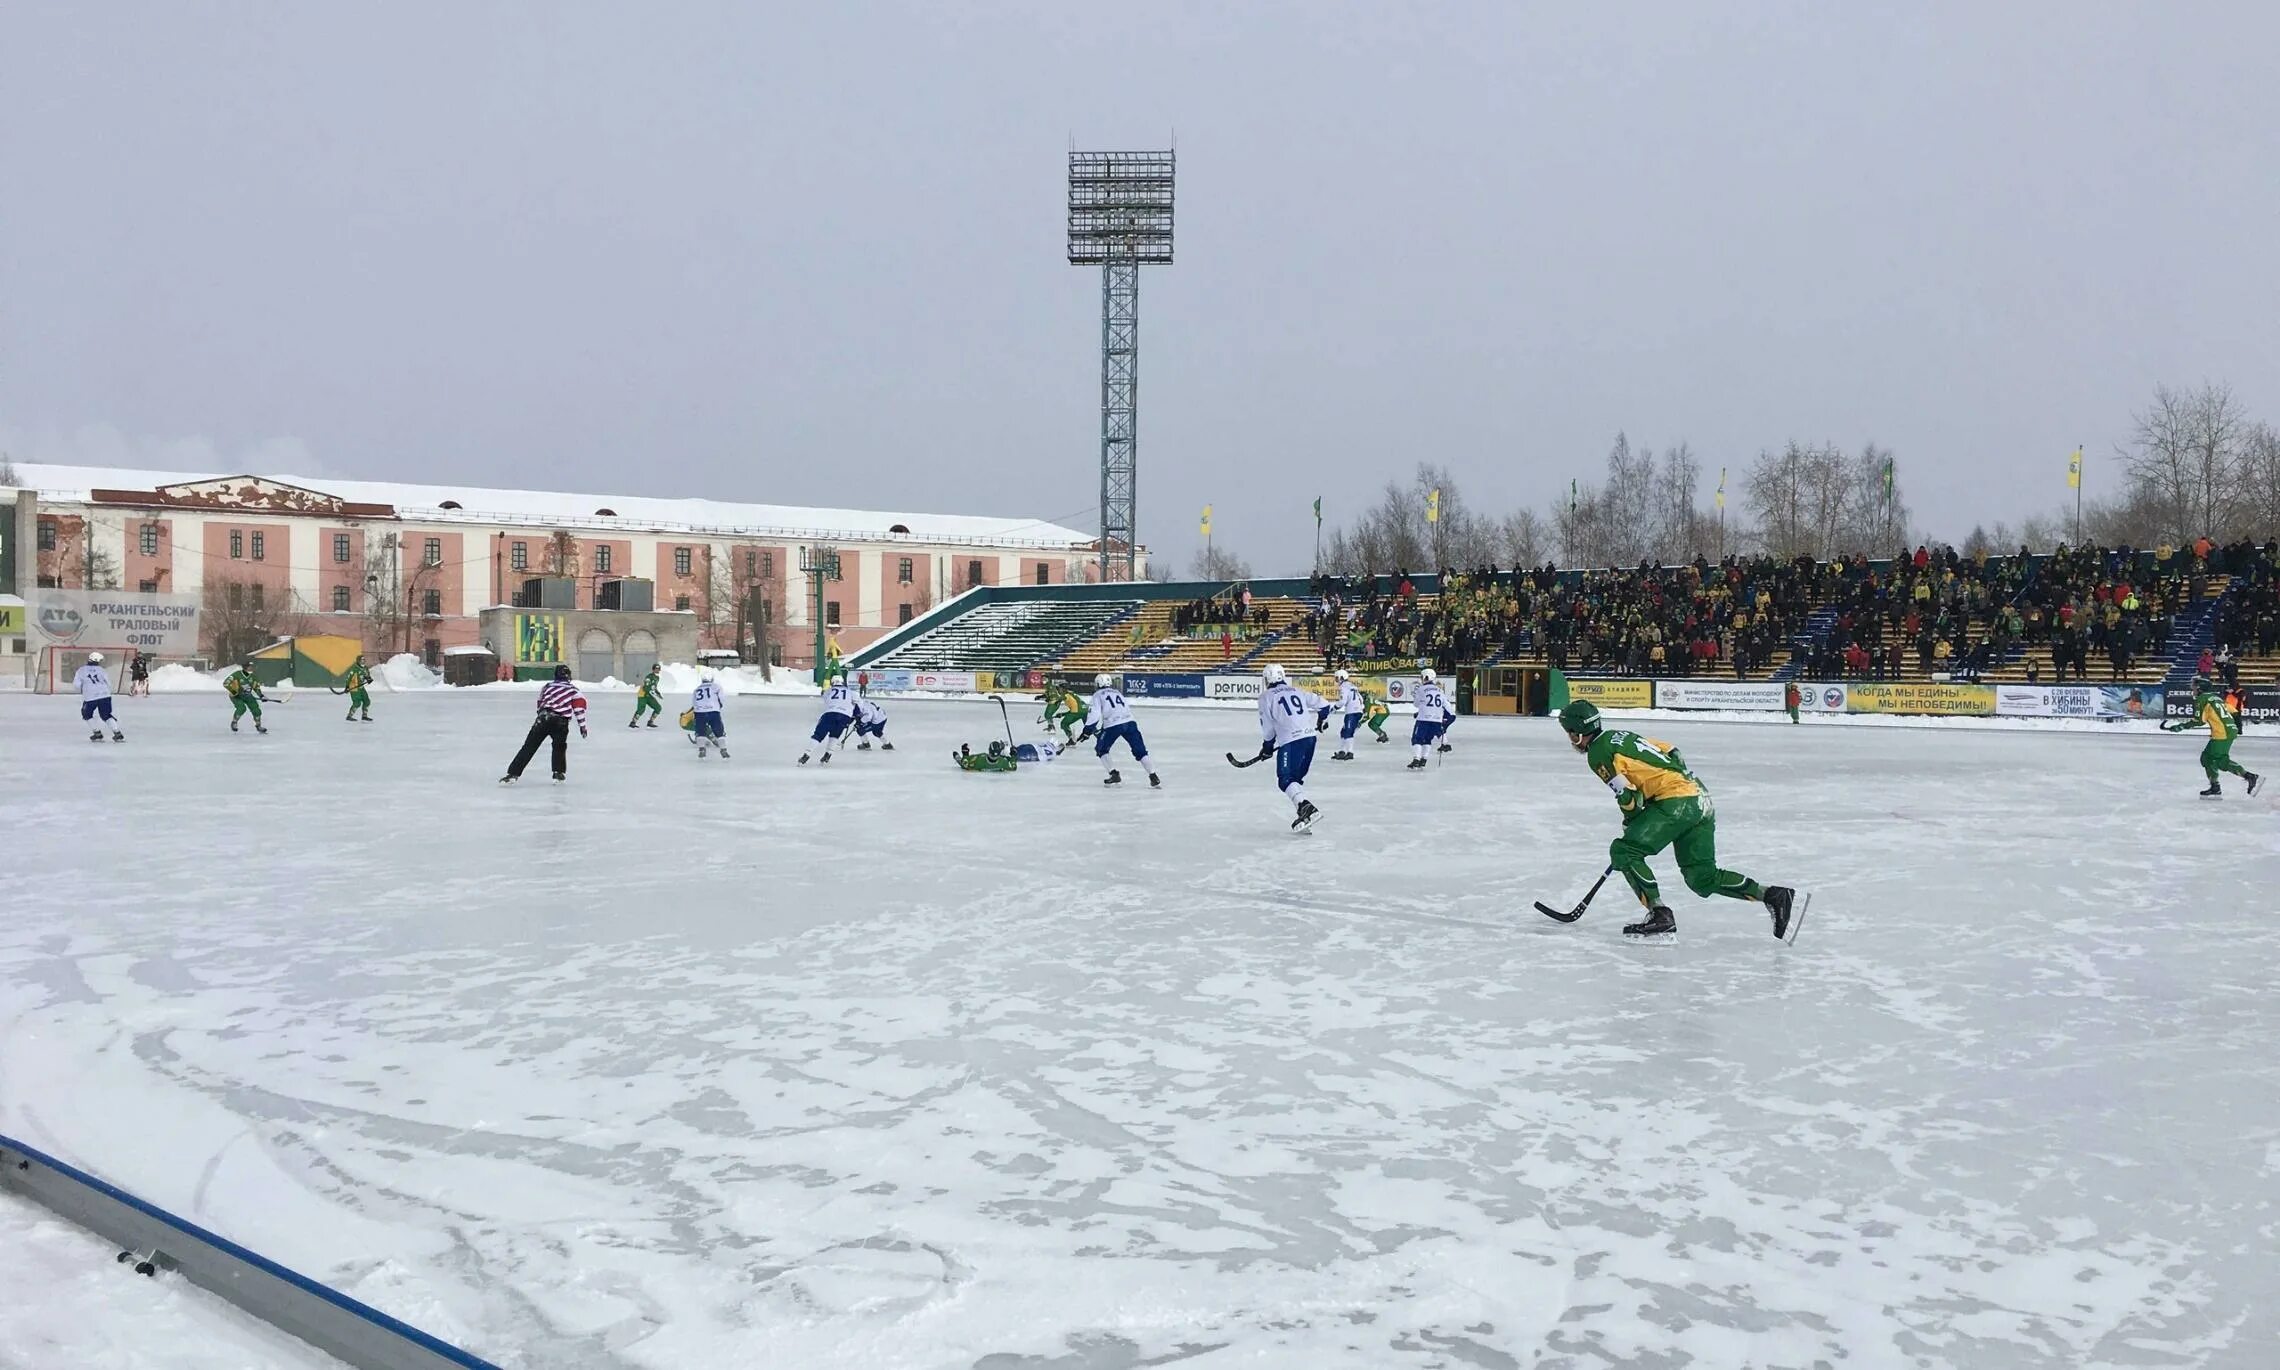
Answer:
(1006, 717)
(1239, 765)
(1571, 915)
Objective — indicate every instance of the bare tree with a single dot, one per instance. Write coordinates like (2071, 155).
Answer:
(2258, 482)
(561, 555)
(8, 474)
(1217, 563)
(1678, 518)
(239, 616)
(1527, 539)
(2184, 449)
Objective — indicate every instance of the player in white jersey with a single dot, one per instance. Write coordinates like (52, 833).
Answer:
(1108, 719)
(838, 712)
(1350, 705)
(1433, 718)
(1288, 720)
(870, 722)
(705, 705)
(94, 686)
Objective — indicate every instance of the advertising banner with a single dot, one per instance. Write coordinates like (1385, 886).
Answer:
(538, 638)
(1716, 694)
(2257, 703)
(163, 625)
(1230, 687)
(1400, 689)
(1918, 697)
(948, 682)
(1168, 686)
(1614, 694)
(2079, 701)
(11, 620)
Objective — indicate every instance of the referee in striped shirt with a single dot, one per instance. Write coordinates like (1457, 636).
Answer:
(558, 704)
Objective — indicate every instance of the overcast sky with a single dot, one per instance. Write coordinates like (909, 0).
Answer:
(814, 253)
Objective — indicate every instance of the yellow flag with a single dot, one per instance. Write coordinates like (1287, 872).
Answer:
(1207, 520)
(1433, 507)
(2074, 471)
(1721, 487)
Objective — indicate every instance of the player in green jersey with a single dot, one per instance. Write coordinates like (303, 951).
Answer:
(2212, 711)
(1664, 805)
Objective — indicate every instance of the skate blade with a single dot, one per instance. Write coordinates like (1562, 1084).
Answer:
(1797, 918)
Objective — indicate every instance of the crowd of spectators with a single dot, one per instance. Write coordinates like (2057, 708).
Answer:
(1697, 619)
(1231, 608)
(2249, 622)
(1938, 612)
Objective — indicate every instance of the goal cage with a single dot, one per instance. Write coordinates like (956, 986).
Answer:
(55, 666)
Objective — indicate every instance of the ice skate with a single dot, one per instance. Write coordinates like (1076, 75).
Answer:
(826, 760)
(1788, 912)
(862, 746)
(559, 777)
(260, 727)
(509, 779)
(2255, 784)
(1307, 813)
(724, 753)
(95, 736)
(803, 758)
(1659, 922)
(117, 736)
(1155, 782)
(653, 723)
(2215, 791)
(886, 746)
(1416, 763)
(1114, 778)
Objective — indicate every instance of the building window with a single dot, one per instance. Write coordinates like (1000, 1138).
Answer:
(839, 566)
(973, 574)
(259, 593)
(147, 587)
(831, 612)
(518, 555)
(47, 535)
(1042, 577)
(340, 548)
(602, 560)
(431, 651)
(260, 546)
(751, 563)
(149, 541)
(680, 561)
(431, 603)
(680, 604)
(904, 615)
(237, 595)
(432, 554)
(237, 545)
(340, 599)
(902, 572)
(767, 563)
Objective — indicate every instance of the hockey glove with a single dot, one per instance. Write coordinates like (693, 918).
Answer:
(1266, 749)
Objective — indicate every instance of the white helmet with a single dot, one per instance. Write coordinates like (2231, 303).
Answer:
(1103, 680)
(1273, 675)
(1427, 675)
(1341, 673)
(94, 658)
(711, 674)
(839, 680)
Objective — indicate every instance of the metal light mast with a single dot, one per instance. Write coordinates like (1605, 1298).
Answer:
(1120, 219)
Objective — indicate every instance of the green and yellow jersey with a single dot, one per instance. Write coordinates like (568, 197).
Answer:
(241, 682)
(1640, 770)
(359, 676)
(1374, 708)
(2212, 712)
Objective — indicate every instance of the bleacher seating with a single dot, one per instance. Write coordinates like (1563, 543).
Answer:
(1007, 635)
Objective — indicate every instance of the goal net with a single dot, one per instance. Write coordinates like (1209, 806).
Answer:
(57, 665)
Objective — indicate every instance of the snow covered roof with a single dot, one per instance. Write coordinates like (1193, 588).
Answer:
(631, 513)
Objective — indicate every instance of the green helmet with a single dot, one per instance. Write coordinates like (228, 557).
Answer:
(1579, 718)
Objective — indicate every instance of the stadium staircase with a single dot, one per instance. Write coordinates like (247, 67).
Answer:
(1009, 635)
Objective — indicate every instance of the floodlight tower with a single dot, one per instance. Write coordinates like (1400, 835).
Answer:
(1120, 219)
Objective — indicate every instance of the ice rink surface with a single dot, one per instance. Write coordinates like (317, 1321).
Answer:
(701, 1063)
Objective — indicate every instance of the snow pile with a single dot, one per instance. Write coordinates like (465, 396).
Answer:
(176, 678)
(405, 671)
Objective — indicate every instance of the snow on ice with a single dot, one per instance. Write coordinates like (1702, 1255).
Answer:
(690, 1062)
